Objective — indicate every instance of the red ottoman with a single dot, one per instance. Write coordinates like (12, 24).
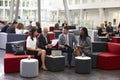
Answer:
(12, 62)
(108, 61)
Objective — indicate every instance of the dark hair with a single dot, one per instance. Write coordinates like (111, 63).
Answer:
(38, 24)
(66, 28)
(14, 23)
(31, 32)
(119, 25)
(83, 37)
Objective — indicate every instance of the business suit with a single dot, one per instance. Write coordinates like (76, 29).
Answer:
(69, 50)
(11, 29)
(57, 26)
(42, 42)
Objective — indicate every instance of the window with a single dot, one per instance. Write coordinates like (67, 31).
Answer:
(1, 3)
(6, 3)
(77, 1)
(85, 1)
(70, 2)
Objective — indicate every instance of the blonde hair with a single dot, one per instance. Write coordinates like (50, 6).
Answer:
(102, 25)
(20, 26)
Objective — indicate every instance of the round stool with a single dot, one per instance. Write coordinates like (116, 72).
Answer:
(82, 64)
(29, 67)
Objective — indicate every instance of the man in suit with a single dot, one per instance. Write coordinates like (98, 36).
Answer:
(66, 41)
(11, 29)
(4, 29)
(44, 42)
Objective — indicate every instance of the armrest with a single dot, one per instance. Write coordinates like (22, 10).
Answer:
(9, 45)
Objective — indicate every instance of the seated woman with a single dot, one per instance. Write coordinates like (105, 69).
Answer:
(33, 50)
(84, 43)
(101, 30)
(19, 29)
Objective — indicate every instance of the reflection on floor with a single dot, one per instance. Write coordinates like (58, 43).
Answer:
(95, 74)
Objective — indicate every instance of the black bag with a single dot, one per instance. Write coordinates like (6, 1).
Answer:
(18, 49)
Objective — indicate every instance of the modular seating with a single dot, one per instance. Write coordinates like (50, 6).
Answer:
(12, 62)
(111, 58)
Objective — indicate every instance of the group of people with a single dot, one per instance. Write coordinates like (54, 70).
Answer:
(106, 29)
(19, 28)
(38, 42)
(68, 43)
(57, 25)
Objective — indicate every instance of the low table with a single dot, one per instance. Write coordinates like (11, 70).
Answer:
(82, 64)
(29, 67)
(55, 63)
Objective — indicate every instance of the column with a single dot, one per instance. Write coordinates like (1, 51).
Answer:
(101, 15)
(39, 11)
(11, 10)
(66, 11)
(17, 9)
(81, 15)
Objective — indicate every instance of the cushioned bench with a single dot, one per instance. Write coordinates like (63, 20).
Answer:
(111, 58)
(97, 48)
(12, 62)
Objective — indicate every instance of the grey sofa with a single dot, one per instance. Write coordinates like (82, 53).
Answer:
(10, 37)
(97, 48)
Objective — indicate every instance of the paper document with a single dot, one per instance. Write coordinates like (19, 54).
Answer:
(54, 42)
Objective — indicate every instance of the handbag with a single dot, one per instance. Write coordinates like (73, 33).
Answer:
(18, 49)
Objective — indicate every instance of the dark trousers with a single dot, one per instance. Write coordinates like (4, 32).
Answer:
(69, 52)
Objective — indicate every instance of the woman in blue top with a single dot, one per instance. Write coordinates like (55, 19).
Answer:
(84, 42)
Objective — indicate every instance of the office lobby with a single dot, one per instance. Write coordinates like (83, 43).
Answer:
(102, 62)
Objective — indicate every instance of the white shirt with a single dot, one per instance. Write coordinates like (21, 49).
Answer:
(66, 39)
(19, 31)
(31, 43)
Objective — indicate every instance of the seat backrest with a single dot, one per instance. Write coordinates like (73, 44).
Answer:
(99, 46)
(113, 48)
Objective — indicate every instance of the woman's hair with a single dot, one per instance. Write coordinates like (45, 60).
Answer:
(102, 25)
(20, 26)
(38, 24)
(83, 36)
(32, 31)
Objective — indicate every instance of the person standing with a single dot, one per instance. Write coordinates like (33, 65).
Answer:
(57, 25)
(67, 42)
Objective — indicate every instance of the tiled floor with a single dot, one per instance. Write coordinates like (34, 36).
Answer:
(95, 74)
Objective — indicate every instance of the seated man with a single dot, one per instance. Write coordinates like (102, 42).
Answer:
(44, 42)
(66, 41)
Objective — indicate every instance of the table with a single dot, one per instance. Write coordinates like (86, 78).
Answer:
(55, 63)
